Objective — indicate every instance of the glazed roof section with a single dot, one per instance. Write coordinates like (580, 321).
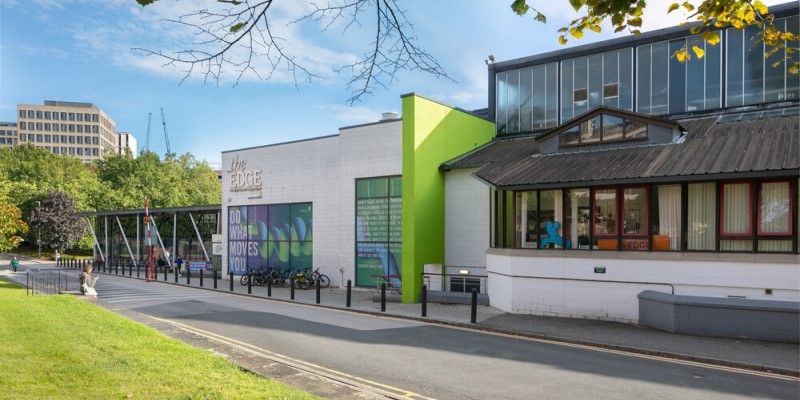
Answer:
(745, 145)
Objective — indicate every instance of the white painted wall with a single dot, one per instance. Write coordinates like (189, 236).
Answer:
(466, 219)
(321, 171)
(514, 288)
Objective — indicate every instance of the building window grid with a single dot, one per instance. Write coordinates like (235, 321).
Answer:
(754, 215)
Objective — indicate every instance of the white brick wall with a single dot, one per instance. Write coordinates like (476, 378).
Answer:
(466, 219)
(513, 286)
(323, 172)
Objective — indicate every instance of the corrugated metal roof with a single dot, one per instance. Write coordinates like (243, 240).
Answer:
(762, 147)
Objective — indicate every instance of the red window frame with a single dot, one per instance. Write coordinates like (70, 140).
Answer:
(722, 233)
(646, 211)
(790, 226)
(616, 212)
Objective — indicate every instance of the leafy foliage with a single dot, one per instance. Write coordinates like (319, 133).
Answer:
(706, 16)
(57, 221)
(28, 173)
(12, 227)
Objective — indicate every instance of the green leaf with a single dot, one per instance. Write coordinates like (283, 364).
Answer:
(682, 55)
(562, 40)
(520, 7)
(236, 27)
(636, 21)
(577, 4)
(145, 2)
(673, 7)
(760, 7)
(576, 33)
(540, 17)
(688, 6)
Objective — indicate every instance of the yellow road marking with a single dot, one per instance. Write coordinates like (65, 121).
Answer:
(352, 380)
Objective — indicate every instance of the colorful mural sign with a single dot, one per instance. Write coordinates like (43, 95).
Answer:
(275, 235)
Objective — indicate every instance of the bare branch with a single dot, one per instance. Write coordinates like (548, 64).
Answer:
(240, 39)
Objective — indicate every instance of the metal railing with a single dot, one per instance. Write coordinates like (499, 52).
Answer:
(50, 281)
(444, 282)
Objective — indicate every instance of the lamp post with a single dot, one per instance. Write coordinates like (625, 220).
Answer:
(39, 227)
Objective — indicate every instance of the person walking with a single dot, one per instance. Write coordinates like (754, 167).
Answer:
(14, 264)
(179, 264)
(87, 281)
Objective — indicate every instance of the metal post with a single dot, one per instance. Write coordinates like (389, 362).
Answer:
(199, 238)
(176, 274)
(116, 267)
(201, 277)
(349, 292)
(249, 283)
(188, 276)
(165, 273)
(130, 269)
(231, 280)
(423, 300)
(269, 287)
(125, 238)
(174, 253)
(473, 314)
(214, 272)
(291, 287)
(137, 269)
(383, 297)
(39, 226)
(316, 284)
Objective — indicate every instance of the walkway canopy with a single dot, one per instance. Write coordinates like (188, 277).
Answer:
(185, 231)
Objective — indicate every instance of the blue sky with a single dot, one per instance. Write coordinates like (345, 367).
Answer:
(80, 50)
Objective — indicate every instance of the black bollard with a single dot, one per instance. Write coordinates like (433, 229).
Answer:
(349, 292)
(316, 284)
(423, 300)
(291, 288)
(177, 274)
(188, 276)
(214, 273)
(130, 269)
(269, 287)
(473, 313)
(383, 297)
(137, 270)
(249, 284)
(201, 277)
(165, 273)
(231, 280)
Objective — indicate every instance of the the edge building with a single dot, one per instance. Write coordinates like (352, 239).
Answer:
(598, 174)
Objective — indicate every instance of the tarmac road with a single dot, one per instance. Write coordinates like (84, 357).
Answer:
(436, 361)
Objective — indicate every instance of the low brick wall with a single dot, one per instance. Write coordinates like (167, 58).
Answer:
(771, 320)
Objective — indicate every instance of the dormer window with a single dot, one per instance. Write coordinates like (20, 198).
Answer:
(603, 128)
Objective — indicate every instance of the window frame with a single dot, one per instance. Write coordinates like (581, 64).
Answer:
(646, 224)
(759, 202)
(593, 203)
(720, 213)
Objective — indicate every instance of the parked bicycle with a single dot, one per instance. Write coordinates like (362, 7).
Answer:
(306, 279)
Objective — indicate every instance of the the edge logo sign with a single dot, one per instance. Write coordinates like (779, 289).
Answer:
(243, 179)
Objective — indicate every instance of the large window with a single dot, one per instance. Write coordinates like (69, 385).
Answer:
(603, 129)
(751, 77)
(275, 235)
(378, 229)
(527, 99)
(729, 216)
(595, 80)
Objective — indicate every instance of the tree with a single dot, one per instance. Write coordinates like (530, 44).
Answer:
(706, 18)
(57, 221)
(239, 35)
(12, 227)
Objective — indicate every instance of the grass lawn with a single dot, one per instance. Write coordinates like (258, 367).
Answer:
(66, 348)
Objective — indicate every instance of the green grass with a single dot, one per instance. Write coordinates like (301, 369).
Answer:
(63, 347)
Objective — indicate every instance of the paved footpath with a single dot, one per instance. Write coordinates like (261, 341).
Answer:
(420, 359)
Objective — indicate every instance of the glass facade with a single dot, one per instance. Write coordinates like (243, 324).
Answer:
(274, 235)
(546, 95)
(726, 216)
(378, 227)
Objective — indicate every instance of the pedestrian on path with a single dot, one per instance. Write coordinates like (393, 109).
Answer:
(179, 264)
(87, 281)
(57, 257)
(14, 264)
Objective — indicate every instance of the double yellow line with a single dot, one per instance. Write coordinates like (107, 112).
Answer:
(339, 377)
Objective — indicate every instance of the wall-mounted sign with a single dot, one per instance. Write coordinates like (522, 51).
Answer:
(243, 179)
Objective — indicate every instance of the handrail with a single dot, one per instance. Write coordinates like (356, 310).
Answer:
(672, 287)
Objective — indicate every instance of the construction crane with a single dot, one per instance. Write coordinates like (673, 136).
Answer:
(166, 136)
(147, 140)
